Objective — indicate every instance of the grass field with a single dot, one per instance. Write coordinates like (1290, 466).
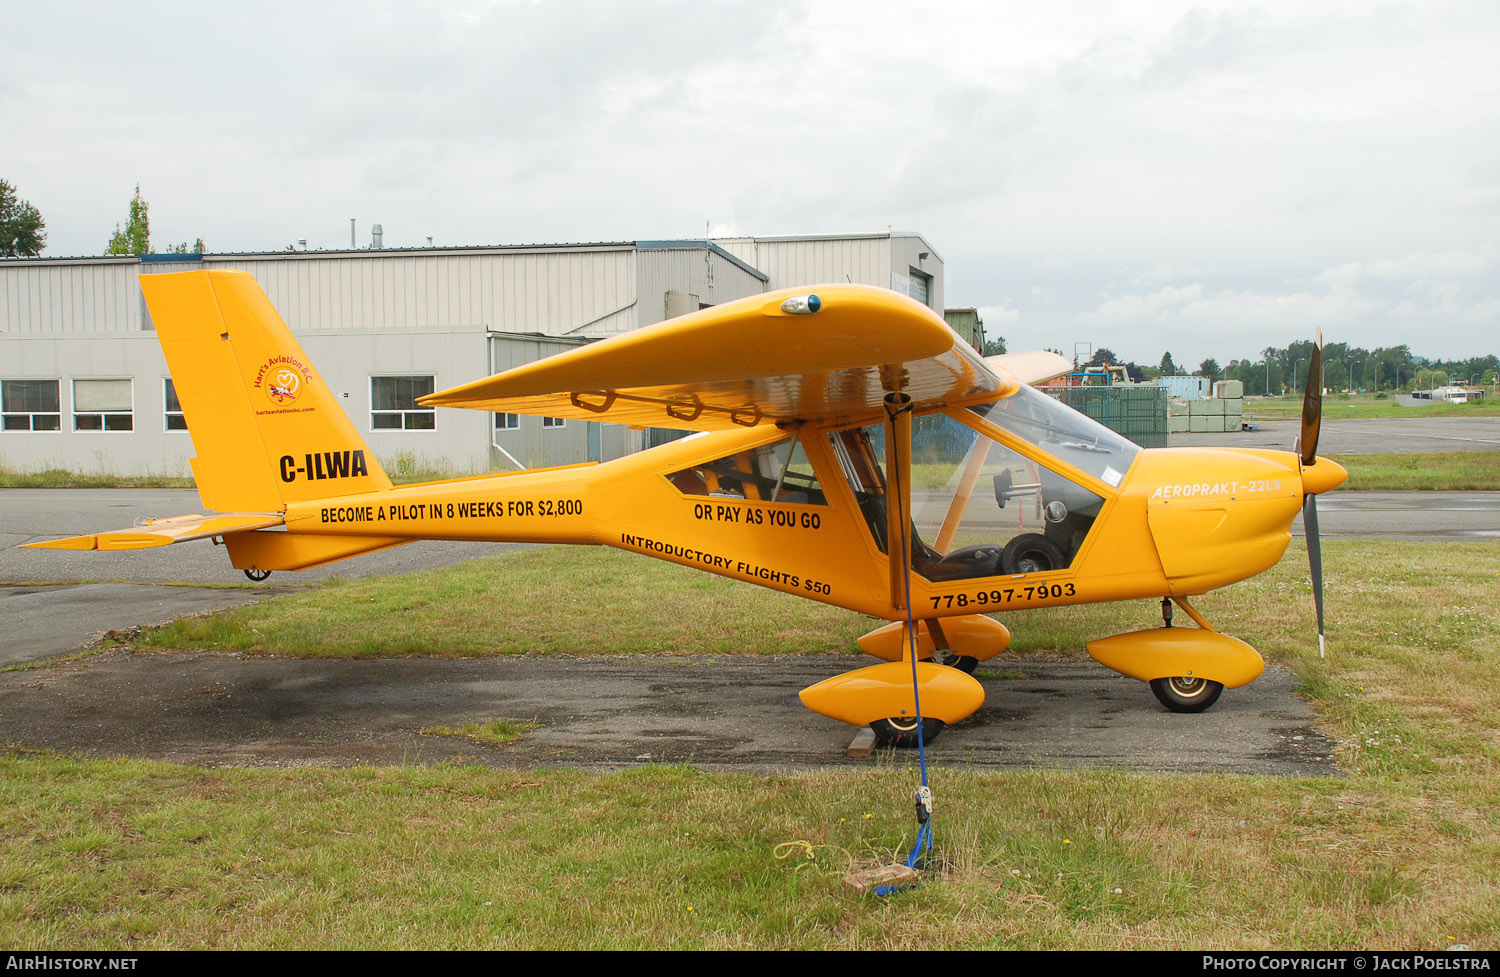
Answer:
(1403, 850)
(1447, 471)
(1363, 407)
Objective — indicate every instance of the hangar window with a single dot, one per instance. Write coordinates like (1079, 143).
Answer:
(507, 422)
(30, 405)
(103, 405)
(394, 407)
(777, 472)
(173, 418)
(554, 421)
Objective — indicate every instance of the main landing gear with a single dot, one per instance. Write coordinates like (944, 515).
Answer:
(1183, 693)
(880, 696)
(902, 733)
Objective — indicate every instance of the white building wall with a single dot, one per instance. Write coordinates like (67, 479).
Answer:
(865, 259)
(149, 449)
(698, 271)
(906, 256)
(346, 359)
(422, 311)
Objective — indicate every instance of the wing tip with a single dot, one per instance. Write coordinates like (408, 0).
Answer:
(66, 543)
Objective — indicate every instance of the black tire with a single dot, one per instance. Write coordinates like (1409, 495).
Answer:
(1031, 553)
(902, 732)
(964, 663)
(1184, 694)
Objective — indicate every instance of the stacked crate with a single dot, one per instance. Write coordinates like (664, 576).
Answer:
(1222, 412)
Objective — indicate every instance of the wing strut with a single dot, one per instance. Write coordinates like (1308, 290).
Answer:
(898, 408)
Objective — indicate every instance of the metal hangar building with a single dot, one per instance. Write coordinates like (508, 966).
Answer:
(84, 386)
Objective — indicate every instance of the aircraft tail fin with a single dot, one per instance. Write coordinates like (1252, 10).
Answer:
(266, 428)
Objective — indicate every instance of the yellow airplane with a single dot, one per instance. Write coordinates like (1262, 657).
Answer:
(850, 448)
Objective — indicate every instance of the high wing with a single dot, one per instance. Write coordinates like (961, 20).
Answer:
(163, 532)
(824, 354)
(1031, 366)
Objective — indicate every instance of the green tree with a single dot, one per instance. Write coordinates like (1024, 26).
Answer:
(1210, 368)
(1168, 366)
(136, 237)
(1335, 375)
(992, 347)
(21, 226)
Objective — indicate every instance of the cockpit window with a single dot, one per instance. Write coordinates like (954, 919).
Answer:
(778, 472)
(1063, 433)
(979, 509)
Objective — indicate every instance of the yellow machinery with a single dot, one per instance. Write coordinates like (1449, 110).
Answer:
(853, 450)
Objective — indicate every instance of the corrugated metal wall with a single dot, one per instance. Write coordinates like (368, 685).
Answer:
(586, 290)
(906, 256)
(698, 271)
(81, 295)
(789, 263)
(513, 291)
(871, 260)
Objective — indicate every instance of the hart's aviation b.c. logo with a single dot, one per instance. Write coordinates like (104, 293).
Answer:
(284, 386)
(283, 379)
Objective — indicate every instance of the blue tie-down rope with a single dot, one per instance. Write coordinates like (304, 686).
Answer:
(923, 845)
(924, 793)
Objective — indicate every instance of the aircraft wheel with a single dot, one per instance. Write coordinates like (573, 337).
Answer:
(964, 663)
(902, 732)
(1183, 694)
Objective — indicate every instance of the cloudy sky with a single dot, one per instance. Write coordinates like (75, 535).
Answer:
(1208, 179)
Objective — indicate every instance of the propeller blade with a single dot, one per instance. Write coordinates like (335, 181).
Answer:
(1312, 404)
(1314, 559)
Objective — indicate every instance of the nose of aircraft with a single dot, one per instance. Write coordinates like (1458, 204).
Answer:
(1322, 476)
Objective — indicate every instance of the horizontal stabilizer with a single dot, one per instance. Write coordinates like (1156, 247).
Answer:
(163, 532)
(825, 354)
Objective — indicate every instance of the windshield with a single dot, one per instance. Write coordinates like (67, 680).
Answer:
(1063, 433)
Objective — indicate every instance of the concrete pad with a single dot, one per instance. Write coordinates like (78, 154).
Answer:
(723, 713)
(43, 622)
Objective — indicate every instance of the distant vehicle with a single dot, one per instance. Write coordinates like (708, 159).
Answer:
(1449, 395)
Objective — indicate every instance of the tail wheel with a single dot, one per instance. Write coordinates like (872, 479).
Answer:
(902, 732)
(1183, 693)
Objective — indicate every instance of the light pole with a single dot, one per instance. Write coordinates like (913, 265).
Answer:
(1350, 370)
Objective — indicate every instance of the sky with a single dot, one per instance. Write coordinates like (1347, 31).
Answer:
(1201, 179)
